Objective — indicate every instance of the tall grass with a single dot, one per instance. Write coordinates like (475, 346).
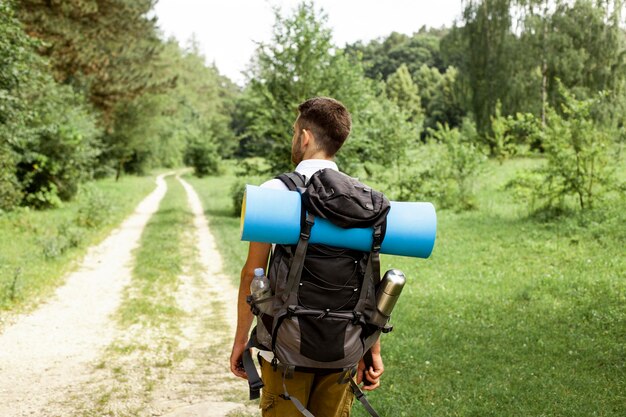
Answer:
(513, 315)
(38, 247)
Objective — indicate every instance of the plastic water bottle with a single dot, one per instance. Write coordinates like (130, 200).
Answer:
(260, 291)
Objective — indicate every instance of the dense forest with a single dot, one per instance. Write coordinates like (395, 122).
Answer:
(91, 88)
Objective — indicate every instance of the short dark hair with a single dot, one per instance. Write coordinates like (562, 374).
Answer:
(328, 119)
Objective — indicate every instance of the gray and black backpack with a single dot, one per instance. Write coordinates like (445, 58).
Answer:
(323, 296)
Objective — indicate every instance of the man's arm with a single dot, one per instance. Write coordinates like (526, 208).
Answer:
(257, 258)
(375, 370)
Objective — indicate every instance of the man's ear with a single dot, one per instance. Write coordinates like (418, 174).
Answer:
(306, 137)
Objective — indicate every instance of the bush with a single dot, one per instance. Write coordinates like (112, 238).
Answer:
(579, 163)
(237, 192)
(55, 244)
(10, 190)
(201, 154)
(95, 208)
(454, 162)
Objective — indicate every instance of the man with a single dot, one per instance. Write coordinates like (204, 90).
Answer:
(321, 128)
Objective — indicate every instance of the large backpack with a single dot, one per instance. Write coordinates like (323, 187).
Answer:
(323, 296)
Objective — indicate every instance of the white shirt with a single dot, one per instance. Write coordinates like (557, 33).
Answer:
(307, 167)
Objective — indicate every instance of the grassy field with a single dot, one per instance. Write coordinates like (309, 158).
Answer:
(38, 247)
(511, 315)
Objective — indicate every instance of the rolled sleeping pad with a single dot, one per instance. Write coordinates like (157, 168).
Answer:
(273, 216)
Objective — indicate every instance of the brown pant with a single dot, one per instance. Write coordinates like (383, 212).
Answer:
(321, 395)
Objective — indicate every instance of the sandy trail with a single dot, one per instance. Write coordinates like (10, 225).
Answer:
(44, 355)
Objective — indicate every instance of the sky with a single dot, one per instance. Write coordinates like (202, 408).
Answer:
(227, 31)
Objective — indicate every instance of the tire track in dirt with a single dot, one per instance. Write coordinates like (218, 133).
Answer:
(202, 385)
(44, 355)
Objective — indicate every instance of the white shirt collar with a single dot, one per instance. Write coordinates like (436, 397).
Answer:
(316, 164)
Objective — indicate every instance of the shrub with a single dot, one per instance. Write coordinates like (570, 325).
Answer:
(237, 192)
(94, 209)
(55, 243)
(448, 178)
(579, 163)
(10, 190)
(201, 154)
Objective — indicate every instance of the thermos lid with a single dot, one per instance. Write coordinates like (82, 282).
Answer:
(393, 282)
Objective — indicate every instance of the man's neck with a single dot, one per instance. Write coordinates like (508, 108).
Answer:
(318, 155)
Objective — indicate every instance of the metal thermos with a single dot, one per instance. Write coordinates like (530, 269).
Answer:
(387, 295)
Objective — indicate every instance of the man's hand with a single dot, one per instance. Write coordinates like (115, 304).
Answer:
(257, 258)
(236, 362)
(370, 371)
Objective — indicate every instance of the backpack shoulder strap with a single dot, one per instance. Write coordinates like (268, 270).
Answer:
(292, 180)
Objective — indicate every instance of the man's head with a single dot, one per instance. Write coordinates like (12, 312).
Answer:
(327, 121)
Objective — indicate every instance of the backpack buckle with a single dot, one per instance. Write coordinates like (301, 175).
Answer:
(356, 317)
(306, 226)
(377, 239)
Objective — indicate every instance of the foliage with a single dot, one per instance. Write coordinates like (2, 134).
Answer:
(513, 52)
(49, 136)
(202, 156)
(94, 208)
(502, 140)
(448, 179)
(579, 161)
(10, 189)
(383, 57)
(486, 65)
(301, 63)
(237, 193)
(152, 97)
(403, 91)
(103, 47)
(441, 97)
(60, 152)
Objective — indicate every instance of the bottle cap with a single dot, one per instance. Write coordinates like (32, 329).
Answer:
(393, 282)
(259, 272)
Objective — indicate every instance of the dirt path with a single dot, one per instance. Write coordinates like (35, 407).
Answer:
(202, 385)
(49, 359)
(43, 355)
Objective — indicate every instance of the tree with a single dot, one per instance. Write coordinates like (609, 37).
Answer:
(157, 128)
(48, 137)
(103, 47)
(299, 63)
(513, 51)
(383, 57)
(486, 66)
(402, 90)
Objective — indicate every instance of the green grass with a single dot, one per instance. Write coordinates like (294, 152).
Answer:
(511, 315)
(37, 248)
(215, 194)
(159, 261)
